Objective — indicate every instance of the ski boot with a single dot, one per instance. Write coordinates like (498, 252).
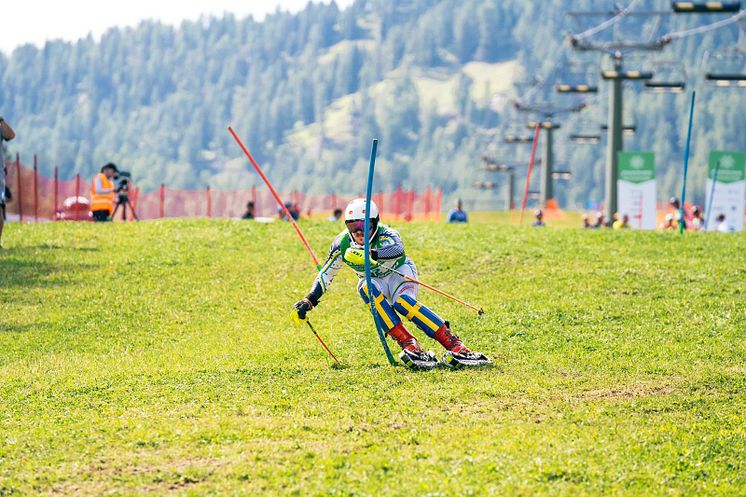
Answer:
(457, 354)
(412, 354)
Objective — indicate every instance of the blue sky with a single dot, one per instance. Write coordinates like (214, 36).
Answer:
(36, 21)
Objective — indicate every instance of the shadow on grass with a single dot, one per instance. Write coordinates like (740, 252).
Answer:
(35, 273)
(17, 328)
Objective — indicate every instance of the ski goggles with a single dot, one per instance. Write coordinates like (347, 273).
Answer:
(358, 225)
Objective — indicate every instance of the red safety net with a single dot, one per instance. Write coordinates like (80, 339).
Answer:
(37, 198)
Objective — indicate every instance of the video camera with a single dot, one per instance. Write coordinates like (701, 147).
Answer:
(122, 180)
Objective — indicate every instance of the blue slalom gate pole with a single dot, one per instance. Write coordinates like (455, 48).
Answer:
(366, 250)
(686, 163)
(712, 194)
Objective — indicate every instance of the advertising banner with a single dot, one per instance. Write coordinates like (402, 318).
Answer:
(636, 189)
(726, 190)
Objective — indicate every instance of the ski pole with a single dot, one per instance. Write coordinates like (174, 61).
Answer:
(277, 197)
(366, 248)
(290, 218)
(479, 310)
(320, 340)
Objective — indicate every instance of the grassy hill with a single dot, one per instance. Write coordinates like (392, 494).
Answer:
(158, 358)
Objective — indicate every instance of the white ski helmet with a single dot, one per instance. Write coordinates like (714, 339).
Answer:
(355, 213)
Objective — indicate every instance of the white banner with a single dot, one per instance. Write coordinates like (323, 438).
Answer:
(636, 189)
(726, 191)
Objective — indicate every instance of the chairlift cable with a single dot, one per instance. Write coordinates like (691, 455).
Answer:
(704, 29)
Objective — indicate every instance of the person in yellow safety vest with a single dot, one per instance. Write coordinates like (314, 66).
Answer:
(102, 193)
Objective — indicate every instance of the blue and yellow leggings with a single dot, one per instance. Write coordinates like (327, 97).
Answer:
(404, 304)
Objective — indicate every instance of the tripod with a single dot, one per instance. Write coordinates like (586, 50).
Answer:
(123, 201)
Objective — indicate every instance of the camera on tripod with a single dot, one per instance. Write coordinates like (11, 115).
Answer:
(122, 180)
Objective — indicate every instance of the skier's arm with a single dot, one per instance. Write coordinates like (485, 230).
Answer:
(323, 280)
(391, 247)
(326, 275)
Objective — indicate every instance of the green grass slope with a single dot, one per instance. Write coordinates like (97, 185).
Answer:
(158, 358)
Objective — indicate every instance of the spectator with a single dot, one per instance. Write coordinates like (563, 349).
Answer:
(698, 221)
(668, 223)
(723, 226)
(675, 205)
(6, 134)
(458, 215)
(249, 214)
(600, 218)
(621, 224)
(102, 193)
(294, 211)
(586, 222)
(336, 215)
(539, 215)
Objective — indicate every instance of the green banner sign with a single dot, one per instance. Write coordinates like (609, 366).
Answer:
(636, 167)
(732, 168)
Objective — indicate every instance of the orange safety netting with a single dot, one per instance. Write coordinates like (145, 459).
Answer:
(36, 197)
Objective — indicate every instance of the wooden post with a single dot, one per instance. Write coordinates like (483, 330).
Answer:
(253, 199)
(36, 190)
(162, 198)
(209, 202)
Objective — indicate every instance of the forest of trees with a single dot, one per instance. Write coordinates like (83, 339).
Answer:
(308, 91)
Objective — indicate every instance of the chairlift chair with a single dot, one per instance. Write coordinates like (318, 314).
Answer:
(670, 77)
(726, 69)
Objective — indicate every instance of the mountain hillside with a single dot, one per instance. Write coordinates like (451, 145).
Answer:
(433, 80)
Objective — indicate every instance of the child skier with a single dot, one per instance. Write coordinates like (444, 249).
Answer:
(392, 293)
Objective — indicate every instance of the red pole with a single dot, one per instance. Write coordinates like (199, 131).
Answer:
(56, 191)
(410, 207)
(277, 197)
(162, 198)
(20, 195)
(36, 190)
(439, 203)
(428, 198)
(530, 168)
(209, 202)
(77, 187)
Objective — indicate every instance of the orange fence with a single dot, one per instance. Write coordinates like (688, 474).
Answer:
(37, 198)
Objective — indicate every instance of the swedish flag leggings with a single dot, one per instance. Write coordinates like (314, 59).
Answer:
(394, 294)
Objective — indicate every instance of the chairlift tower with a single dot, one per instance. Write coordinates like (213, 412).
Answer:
(548, 125)
(494, 165)
(616, 77)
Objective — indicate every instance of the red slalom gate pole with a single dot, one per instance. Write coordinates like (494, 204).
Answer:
(277, 197)
(530, 168)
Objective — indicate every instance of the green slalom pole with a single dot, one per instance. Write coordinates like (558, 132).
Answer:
(366, 250)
